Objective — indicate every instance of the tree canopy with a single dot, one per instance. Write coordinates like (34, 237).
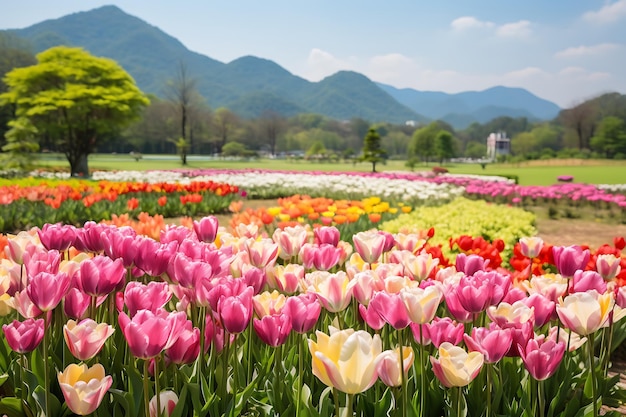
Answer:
(372, 149)
(74, 101)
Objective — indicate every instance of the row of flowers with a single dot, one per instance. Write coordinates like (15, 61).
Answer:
(99, 319)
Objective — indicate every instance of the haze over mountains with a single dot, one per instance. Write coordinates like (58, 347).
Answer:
(251, 85)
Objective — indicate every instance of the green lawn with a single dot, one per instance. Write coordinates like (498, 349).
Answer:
(531, 173)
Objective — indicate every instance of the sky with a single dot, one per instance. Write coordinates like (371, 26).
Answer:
(565, 51)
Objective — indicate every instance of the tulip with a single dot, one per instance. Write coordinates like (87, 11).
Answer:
(235, 311)
(477, 292)
(253, 277)
(46, 290)
(25, 306)
(173, 233)
(421, 304)
(442, 330)
(101, 275)
(121, 243)
(493, 342)
(326, 235)
(418, 267)
(268, 303)
(454, 306)
(544, 309)
(620, 297)
(364, 284)
(332, 290)
(37, 259)
(25, 336)
(608, 266)
(469, 264)
(152, 296)
(84, 388)
(569, 259)
(391, 307)
(274, 329)
(505, 313)
(304, 310)
(583, 281)
(371, 317)
(262, 252)
(290, 241)
(186, 348)
(321, 257)
(154, 258)
(455, 367)
(571, 340)
(57, 236)
(12, 272)
(551, 286)
(531, 247)
(149, 333)
(345, 359)
(411, 242)
(17, 244)
(88, 237)
(285, 278)
(76, 303)
(585, 312)
(369, 245)
(388, 365)
(86, 338)
(168, 400)
(206, 228)
(7, 305)
(542, 357)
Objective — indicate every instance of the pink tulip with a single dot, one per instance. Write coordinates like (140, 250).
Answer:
(418, 267)
(173, 233)
(262, 252)
(153, 296)
(326, 235)
(76, 303)
(286, 278)
(454, 306)
(25, 336)
(17, 245)
(371, 317)
(206, 228)
(86, 338)
(420, 334)
(235, 311)
(332, 290)
(290, 241)
(47, 290)
(442, 330)
(531, 247)
(273, 330)
(84, 388)
(585, 312)
(253, 277)
(89, 237)
(551, 286)
(475, 292)
(542, 356)
(584, 281)
(149, 333)
(493, 342)
(304, 310)
(37, 259)
(364, 285)
(410, 242)
(153, 257)
(101, 275)
(388, 365)
(186, 347)
(369, 245)
(569, 259)
(620, 297)
(608, 266)
(544, 309)
(421, 303)
(321, 257)
(189, 273)
(514, 294)
(469, 264)
(390, 241)
(57, 236)
(167, 400)
(25, 306)
(455, 367)
(391, 307)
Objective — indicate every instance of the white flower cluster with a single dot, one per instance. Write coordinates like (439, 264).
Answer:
(613, 188)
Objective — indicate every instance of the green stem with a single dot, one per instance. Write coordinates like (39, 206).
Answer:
(46, 370)
(300, 366)
(402, 374)
(146, 394)
(489, 387)
(202, 319)
(249, 359)
(349, 400)
(541, 399)
(22, 383)
(235, 381)
(459, 397)
(422, 373)
(336, 398)
(592, 369)
(607, 351)
(157, 390)
(225, 363)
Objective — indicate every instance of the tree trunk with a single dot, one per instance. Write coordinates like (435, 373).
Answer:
(79, 167)
(373, 166)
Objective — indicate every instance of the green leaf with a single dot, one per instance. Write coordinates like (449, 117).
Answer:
(40, 398)
(12, 407)
(125, 400)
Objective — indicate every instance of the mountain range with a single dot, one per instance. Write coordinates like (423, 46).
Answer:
(252, 85)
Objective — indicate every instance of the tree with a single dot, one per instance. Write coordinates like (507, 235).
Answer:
(423, 142)
(272, 125)
(182, 147)
(233, 149)
(580, 118)
(444, 145)
(20, 147)
(183, 94)
(74, 99)
(225, 123)
(475, 150)
(372, 150)
(610, 138)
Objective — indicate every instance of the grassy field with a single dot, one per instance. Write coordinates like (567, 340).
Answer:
(529, 173)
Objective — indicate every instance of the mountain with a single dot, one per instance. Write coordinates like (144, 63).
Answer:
(252, 85)
(462, 109)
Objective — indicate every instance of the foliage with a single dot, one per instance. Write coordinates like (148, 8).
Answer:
(372, 149)
(610, 137)
(74, 100)
(20, 150)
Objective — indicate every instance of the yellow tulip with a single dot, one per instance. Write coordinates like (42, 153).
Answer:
(455, 367)
(346, 359)
(83, 387)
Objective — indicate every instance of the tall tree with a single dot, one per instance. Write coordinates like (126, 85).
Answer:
(610, 138)
(225, 122)
(75, 99)
(444, 145)
(423, 142)
(372, 149)
(183, 94)
(272, 125)
(580, 118)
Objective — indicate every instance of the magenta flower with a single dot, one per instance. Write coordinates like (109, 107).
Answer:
(263, 253)
(420, 334)
(25, 336)
(326, 235)
(101, 275)
(89, 237)
(493, 342)
(57, 236)
(76, 303)
(304, 310)
(37, 259)
(47, 290)
(454, 306)
(371, 317)
(121, 243)
(442, 330)
(273, 329)
(149, 333)
(235, 311)
(544, 309)
(391, 307)
(153, 296)
(542, 356)
(321, 257)
(153, 257)
(569, 259)
(469, 264)
(206, 228)
(187, 345)
(584, 281)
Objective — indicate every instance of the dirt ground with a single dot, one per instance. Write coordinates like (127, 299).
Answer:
(564, 232)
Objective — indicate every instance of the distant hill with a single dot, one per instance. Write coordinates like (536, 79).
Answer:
(251, 85)
(462, 109)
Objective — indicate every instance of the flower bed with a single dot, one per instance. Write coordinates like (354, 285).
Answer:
(304, 323)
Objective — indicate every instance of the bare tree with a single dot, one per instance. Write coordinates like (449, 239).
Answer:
(581, 118)
(272, 124)
(225, 122)
(183, 94)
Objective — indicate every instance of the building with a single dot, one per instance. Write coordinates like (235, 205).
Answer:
(498, 144)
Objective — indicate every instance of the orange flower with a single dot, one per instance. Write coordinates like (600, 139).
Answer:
(162, 201)
(132, 204)
(340, 219)
(374, 217)
(235, 206)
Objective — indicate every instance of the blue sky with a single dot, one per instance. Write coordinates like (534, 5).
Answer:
(562, 50)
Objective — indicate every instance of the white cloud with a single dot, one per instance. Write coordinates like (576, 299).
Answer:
(515, 29)
(470, 22)
(609, 13)
(584, 50)
(527, 72)
(321, 64)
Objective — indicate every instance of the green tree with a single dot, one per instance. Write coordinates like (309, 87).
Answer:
(182, 147)
(19, 151)
(475, 150)
(75, 100)
(423, 142)
(233, 149)
(610, 138)
(444, 146)
(372, 150)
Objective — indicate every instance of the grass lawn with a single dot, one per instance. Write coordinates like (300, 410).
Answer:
(543, 172)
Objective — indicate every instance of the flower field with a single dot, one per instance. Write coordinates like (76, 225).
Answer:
(385, 295)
